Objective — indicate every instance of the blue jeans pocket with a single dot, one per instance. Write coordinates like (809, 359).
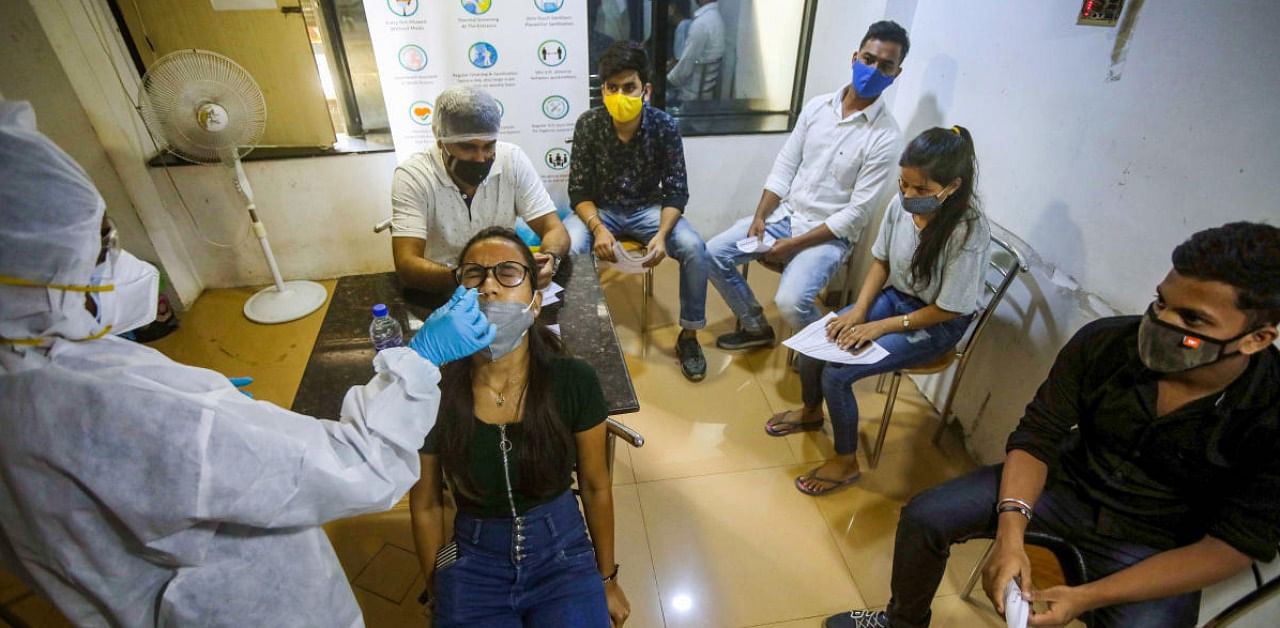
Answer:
(578, 553)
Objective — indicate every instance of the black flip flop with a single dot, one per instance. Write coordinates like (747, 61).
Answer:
(790, 427)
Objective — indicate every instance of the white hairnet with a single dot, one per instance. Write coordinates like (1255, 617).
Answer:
(50, 217)
(464, 114)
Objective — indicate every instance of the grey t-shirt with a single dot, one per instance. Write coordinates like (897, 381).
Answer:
(956, 282)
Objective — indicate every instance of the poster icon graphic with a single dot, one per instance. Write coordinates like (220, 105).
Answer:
(552, 52)
(403, 8)
(477, 7)
(555, 107)
(412, 58)
(483, 55)
(557, 159)
(420, 111)
(548, 6)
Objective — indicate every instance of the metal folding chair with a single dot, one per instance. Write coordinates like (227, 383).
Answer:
(1006, 262)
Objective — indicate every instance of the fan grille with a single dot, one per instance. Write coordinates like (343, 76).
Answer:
(175, 88)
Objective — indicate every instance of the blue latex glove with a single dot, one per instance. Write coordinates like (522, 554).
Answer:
(455, 330)
(240, 383)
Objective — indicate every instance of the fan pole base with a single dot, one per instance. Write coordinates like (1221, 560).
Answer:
(271, 306)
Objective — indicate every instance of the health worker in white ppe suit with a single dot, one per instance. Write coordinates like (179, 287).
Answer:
(136, 491)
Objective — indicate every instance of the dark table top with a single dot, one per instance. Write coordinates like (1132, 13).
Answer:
(343, 356)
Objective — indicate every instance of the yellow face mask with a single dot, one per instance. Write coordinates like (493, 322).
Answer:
(623, 108)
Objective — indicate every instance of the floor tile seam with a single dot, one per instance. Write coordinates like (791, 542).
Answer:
(653, 565)
(773, 623)
(718, 473)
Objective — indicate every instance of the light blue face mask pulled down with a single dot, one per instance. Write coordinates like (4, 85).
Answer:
(512, 321)
(869, 81)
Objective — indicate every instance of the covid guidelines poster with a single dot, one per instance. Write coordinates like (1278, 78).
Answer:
(530, 55)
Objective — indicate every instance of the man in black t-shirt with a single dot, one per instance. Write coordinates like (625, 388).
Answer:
(1153, 447)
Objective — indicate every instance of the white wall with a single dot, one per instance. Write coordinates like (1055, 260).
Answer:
(91, 52)
(60, 116)
(1100, 175)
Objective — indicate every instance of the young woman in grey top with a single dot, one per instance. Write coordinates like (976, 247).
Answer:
(916, 301)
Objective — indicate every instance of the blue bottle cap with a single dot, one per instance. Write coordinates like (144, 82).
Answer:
(379, 310)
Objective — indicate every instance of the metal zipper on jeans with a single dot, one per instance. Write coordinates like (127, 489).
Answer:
(517, 522)
(504, 445)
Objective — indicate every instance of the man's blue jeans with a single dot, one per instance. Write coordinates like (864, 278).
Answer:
(964, 509)
(683, 244)
(535, 570)
(819, 380)
(802, 278)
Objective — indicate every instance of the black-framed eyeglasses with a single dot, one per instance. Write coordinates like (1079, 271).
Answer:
(509, 274)
(110, 239)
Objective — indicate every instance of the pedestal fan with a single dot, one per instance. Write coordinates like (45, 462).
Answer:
(206, 109)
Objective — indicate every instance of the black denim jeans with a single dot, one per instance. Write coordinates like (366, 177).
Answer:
(964, 509)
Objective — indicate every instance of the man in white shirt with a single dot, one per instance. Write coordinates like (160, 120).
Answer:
(819, 195)
(703, 45)
(469, 181)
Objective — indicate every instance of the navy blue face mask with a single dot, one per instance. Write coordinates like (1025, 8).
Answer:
(869, 81)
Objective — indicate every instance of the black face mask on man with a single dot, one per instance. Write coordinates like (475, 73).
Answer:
(469, 172)
(1167, 348)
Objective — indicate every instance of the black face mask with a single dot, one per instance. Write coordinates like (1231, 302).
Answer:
(470, 172)
(1167, 348)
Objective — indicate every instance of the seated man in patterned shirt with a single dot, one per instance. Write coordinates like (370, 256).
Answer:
(628, 179)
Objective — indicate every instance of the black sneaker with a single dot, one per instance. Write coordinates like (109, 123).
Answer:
(858, 619)
(743, 339)
(692, 363)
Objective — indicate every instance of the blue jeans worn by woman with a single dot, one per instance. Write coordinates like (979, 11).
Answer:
(822, 380)
(964, 508)
(538, 569)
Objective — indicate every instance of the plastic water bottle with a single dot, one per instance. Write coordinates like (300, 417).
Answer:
(384, 331)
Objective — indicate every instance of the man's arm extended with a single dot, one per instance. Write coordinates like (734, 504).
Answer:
(1173, 572)
(415, 270)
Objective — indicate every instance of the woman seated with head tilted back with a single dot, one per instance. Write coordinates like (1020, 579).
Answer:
(916, 301)
(514, 420)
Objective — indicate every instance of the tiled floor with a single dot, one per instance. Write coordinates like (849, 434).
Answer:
(711, 531)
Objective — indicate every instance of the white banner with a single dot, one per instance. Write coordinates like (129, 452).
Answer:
(531, 55)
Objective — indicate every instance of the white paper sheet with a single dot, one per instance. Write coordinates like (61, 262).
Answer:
(812, 341)
(551, 293)
(629, 263)
(756, 245)
(1016, 610)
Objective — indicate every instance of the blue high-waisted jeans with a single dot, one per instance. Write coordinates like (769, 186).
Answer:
(538, 569)
(822, 380)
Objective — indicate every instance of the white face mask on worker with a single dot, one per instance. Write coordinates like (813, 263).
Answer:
(132, 304)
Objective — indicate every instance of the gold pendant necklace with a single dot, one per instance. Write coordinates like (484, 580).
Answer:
(499, 396)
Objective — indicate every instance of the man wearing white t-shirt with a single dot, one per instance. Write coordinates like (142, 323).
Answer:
(469, 181)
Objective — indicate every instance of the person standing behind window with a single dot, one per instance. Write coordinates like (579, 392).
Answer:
(704, 44)
(628, 179)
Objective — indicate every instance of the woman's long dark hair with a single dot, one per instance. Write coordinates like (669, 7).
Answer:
(544, 453)
(943, 155)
